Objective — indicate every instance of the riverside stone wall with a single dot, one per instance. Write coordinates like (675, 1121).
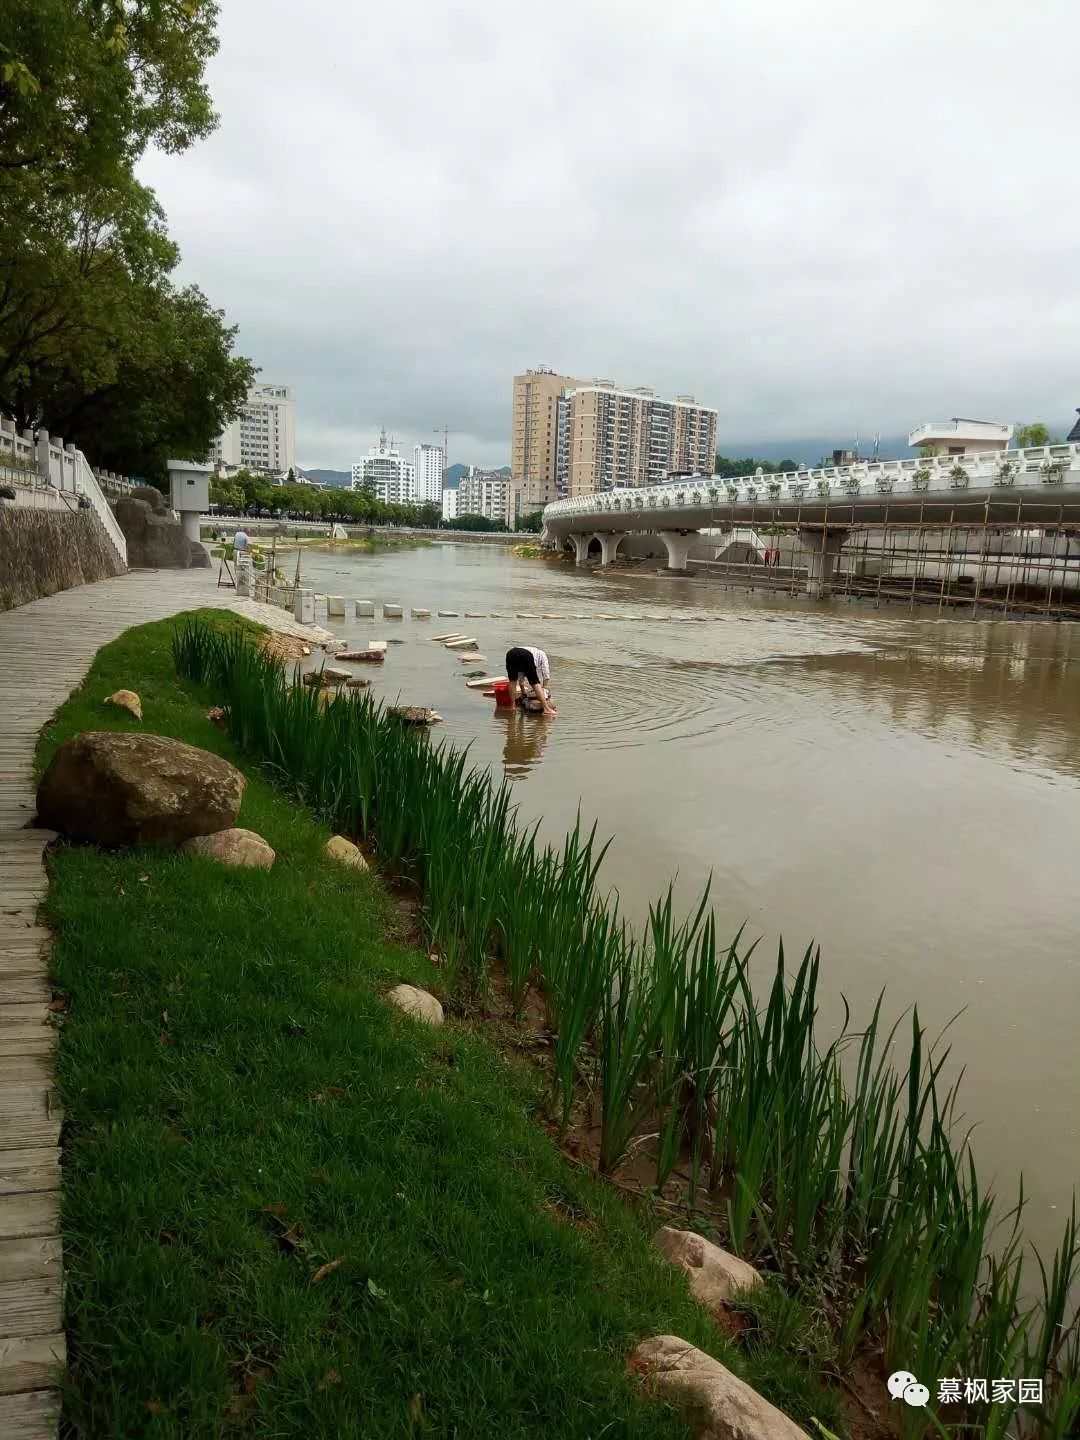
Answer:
(42, 551)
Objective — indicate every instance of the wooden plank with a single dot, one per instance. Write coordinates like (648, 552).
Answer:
(30, 1116)
(24, 985)
(31, 1362)
(30, 1257)
(26, 1171)
(22, 1216)
(31, 1307)
(16, 1068)
(30, 1415)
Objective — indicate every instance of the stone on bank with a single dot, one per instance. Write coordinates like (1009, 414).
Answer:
(715, 1275)
(234, 846)
(420, 1004)
(344, 852)
(717, 1405)
(112, 788)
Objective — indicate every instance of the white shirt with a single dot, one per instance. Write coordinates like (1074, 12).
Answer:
(240, 541)
(543, 669)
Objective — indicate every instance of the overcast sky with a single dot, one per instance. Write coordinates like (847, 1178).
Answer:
(818, 218)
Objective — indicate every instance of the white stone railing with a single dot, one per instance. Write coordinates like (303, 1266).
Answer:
(86, 484)
(1034, 469)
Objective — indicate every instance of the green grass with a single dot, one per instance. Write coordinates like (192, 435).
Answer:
(242, 1108)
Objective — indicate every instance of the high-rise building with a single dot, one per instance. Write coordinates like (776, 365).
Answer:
(538, 466)
(386, 474)
(631, 437)
(488, 493)
(449, 504)
(429, 463)
(264, 437)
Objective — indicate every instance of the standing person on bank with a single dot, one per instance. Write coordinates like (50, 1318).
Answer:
(240, 542)
(526, 663)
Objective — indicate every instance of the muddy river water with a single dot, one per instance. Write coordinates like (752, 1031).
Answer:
(902, 789)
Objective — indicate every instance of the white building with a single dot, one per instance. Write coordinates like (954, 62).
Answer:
(449, 504)
(428, 464)
(264, 437)
(386, 474)
(486, 493)
(960, 437)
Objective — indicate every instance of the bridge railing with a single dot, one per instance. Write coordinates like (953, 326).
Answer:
(1042, 465)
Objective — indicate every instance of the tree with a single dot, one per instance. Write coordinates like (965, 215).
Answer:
(1032, 434)
(475, 522)
(96, 341)
(533, 522)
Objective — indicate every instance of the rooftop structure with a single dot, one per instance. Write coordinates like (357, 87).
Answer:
(960, 437)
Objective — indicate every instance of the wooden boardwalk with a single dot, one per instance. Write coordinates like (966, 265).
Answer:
(45, 650)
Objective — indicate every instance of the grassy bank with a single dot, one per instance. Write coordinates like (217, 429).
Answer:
(243, 1110)
(844, 1174)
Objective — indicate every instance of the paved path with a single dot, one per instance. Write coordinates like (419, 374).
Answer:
(45, 650)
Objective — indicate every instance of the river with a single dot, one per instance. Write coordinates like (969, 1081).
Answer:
(901, 789)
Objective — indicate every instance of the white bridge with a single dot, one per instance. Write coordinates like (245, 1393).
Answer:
(1011, 489)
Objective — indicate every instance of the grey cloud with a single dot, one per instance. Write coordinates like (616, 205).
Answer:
(815, 218)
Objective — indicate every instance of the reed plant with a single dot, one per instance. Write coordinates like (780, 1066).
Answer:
(845, 1175)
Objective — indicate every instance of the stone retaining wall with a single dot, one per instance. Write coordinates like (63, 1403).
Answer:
(42, 551)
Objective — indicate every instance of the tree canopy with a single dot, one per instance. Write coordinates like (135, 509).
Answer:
(732, 469)
(1032, 434)
(97, 342)
(247, 492)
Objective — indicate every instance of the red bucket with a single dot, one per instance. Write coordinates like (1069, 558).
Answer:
(502, 694)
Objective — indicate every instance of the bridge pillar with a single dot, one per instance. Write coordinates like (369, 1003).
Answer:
(581, 548)
(677, 544)
(822, 549)
(609, 547)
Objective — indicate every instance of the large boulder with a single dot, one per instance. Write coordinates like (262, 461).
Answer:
(235, 846)
(715, 1275)
(112, 788)
(716, 1404)
(200, 556)
(155, 540)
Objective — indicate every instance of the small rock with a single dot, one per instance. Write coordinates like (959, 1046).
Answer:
(357, 682)
(127, 700)
(336, 677)
(216, 715)
(417, 1003)
(344, 852)
(414, 714)
(376, 656)
(232, 847)
(714, 1274)
(717, 1404)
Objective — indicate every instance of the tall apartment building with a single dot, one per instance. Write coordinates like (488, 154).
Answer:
(264, 437)
(449, 504)
(429, 463)
(539, 451)
(487, 493)
(631, 437)
(386, 473)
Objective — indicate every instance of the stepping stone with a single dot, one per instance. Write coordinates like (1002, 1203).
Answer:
(475, 614)
(365, 609)
(335, 607)
(467, 644)
(450, 635)
(391, 612)
(473, 657)
(418, 614)
(377, 644)
(449, 614)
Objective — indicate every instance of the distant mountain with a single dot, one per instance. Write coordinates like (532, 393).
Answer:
(810, 450)
(338, 479)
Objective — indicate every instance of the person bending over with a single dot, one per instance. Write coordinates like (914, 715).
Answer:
(525, 663)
